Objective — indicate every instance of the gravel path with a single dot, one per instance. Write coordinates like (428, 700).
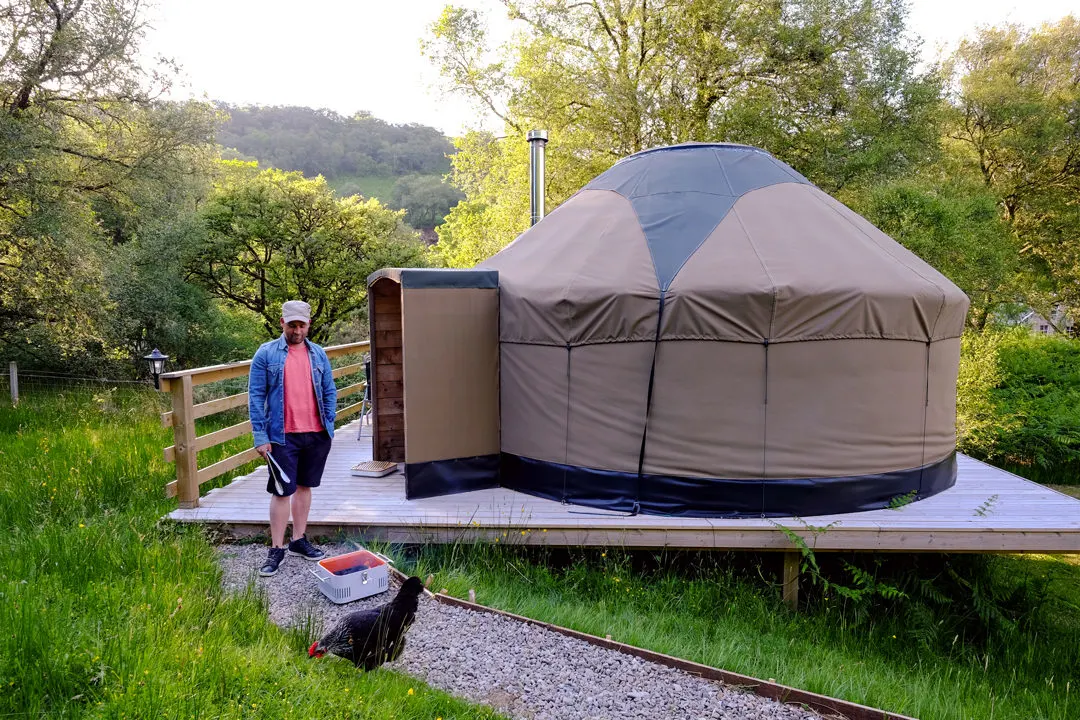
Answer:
(525, 671)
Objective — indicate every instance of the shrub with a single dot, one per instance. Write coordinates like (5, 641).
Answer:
(1018, 403)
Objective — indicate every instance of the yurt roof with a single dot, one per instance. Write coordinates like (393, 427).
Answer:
(737, 243)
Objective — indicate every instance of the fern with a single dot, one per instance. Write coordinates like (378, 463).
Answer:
(984, 509)
(934, 600)
(901, 500)
(929, 591)
(922, 624)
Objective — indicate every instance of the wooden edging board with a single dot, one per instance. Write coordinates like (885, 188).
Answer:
(774, 691)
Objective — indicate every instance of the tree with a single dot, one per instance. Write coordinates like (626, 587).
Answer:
(272, 236)
(426, 199)
(953, 224)
(494, 175)
(155, 306)
(1014, 125)
(322, 142)
(829, 87)
(86, 145)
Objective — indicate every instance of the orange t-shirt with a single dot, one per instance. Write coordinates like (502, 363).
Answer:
(301, 409)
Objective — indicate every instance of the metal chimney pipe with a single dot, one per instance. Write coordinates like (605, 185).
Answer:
(537, 139)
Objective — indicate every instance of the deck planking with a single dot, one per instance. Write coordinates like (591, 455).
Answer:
(988, 510)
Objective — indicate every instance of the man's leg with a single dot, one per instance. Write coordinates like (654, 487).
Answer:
(281, 477)
(279, 516)
(301, 506)
(316, 446)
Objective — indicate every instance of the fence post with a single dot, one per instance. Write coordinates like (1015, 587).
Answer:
(185, 454)
(13, 375)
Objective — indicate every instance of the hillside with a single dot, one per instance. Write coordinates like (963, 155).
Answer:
(322, 141)
(401, 165)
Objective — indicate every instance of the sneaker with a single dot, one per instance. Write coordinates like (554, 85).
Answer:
(302, 548)
(273, 560)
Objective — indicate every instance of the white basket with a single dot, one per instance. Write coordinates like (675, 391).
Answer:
(372, 580)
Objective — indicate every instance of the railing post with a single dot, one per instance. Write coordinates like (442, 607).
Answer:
(187, 457)
(13, 376)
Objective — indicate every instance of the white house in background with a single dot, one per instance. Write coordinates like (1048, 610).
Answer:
(1038, 324)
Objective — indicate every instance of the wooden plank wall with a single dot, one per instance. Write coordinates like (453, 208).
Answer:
(388, 394)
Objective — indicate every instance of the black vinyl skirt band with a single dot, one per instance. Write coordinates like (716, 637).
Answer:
(446, 477)
(717, 497)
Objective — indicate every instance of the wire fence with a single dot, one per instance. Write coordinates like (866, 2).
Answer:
(31, 382)
(40, 382)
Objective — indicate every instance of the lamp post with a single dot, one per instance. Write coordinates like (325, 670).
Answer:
(157, 364)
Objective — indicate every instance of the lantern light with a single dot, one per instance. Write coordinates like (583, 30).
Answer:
(157, 365)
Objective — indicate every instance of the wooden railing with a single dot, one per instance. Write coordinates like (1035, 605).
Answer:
(184, 451)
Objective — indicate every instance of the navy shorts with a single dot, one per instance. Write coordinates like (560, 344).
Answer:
(300, 461)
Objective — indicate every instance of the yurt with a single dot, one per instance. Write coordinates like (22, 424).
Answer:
(700, 331)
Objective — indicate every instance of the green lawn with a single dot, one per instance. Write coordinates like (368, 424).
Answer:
(377, 186)
(108, 612)
(1001, 639)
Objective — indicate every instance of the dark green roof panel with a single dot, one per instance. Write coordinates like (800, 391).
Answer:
(681, 193)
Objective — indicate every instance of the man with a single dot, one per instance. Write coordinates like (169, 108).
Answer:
(292, 402)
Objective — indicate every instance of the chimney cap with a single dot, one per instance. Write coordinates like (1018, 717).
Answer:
(537, 135)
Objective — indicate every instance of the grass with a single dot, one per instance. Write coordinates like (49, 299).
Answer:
(934, 659)
(1073, 490)
(377, 186)
(108, 612)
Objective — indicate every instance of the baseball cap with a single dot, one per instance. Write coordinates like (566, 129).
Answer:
(295, 310)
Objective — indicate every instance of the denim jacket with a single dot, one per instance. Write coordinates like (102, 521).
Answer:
(266, 390)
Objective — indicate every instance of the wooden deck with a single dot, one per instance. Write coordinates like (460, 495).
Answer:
(988, 510)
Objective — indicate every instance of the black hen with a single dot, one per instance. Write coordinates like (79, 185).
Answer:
(373, 636)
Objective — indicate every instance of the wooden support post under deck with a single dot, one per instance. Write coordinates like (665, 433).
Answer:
(185, 453)
(791, 580)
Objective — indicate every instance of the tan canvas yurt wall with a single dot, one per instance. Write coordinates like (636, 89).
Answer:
(701, 331)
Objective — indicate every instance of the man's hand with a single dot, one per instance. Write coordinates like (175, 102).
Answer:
(263, 450)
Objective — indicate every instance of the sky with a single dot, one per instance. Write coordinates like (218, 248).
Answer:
(353, 55)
